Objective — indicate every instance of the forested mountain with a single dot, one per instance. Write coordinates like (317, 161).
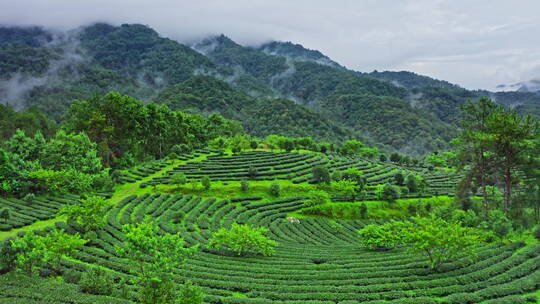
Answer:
(205, 94)
(260, 116)
(410, 80)
(297, 52)
(256, 85)
(305, 81)
(138, 51)
(378, 109)
(366, 112)
(531, 86)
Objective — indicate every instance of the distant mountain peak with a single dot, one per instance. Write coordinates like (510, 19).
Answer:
(212, 43)
(296, 52)
(410, 80)
(33, 36)
(531, 86)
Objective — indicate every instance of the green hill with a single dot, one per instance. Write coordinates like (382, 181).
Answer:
(318, 260)
(51, 70)
(260, 116)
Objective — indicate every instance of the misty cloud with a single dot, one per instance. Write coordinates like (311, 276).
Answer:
(291, 69)
(18, 85)
(477, 44)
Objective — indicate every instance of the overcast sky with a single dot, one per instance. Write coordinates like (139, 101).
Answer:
(474, 43)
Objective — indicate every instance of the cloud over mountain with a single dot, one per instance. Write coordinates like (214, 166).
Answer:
(476, 44)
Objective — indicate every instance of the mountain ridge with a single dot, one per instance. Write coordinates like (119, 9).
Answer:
(399, 111)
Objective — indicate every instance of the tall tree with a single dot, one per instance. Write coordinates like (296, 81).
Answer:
(495, 140)
(532, 178)
(475, 143)
(88, 214)
(512, 138)
(125, 129)
(153, 257)
(352, 147)
(71, 152)
(26, 147)
(13, 174)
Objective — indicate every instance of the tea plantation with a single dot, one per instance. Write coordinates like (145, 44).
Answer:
(318, 259)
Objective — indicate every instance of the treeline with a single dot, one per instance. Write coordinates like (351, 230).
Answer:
(64, 163)
(30, 120)
(111, 131)
(260, 116)
(498, 149)
(117, 131)
(127, 131)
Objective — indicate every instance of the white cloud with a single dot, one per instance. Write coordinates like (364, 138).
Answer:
(475, 43)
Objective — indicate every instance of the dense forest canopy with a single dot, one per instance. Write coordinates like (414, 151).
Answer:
(218, 75)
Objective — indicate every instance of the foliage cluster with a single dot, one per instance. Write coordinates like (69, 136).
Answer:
(89, 214)
(65, 163)
(126, 129)
(32, 252)
(153, 257)
(243, 239)
(438, 240)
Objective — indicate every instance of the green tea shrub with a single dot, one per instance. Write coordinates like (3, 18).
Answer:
(275, 189)
(190, 294)
(72, 276)
(97, 281)
(244, 185)
(206, 183)
(243, 239)
(316, 197)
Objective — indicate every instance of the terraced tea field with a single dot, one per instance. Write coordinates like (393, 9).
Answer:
(318, 261)
(297, 168)
(23, 213)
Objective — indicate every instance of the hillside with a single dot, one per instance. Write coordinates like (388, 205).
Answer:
(410, 80)
(134, 59)
(304, 80)
(296, 52)
(317, 260)
(139, 52)
(260, 117)
(270, 152)
(366, 112)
